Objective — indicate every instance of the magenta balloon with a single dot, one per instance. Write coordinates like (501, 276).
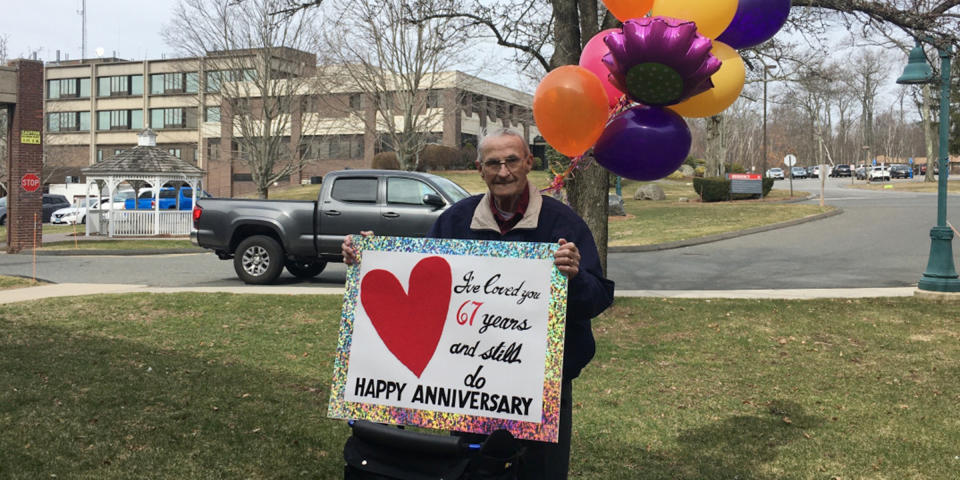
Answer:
(590, 59)
(644, 143)
(755, 22)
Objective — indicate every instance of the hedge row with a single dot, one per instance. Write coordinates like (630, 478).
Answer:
(717, 189)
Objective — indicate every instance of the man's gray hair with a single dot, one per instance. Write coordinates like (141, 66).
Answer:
(500, 132)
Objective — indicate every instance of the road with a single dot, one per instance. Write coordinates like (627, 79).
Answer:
(881, 240)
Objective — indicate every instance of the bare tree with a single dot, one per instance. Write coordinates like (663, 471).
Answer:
(398, 65)
(256, 70)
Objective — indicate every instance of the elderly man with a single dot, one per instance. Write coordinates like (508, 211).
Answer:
(513, 210)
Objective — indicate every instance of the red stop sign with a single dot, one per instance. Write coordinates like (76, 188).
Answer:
(30, 182)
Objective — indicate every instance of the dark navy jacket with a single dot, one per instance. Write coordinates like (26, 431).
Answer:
(546, 220)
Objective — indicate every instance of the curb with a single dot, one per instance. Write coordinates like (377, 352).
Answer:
(116, 253)
(722, 236)
(66, 253)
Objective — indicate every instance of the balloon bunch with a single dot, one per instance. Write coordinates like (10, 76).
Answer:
(633, 85)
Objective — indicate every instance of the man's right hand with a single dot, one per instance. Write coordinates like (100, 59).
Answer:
(349, 251)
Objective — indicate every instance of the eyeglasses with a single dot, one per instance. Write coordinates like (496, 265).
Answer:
(493, 166)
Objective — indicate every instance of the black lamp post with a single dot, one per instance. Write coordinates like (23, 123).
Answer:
(940, 275)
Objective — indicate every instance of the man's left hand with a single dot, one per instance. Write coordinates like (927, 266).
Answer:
(567, 258)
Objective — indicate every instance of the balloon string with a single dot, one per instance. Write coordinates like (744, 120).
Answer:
(559, 179)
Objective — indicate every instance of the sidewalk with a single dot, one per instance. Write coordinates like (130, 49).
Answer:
(79, 289)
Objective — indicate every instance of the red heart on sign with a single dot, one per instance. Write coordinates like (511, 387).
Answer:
(409, 323)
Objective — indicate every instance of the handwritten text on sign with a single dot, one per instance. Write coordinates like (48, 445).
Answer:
(457, 335)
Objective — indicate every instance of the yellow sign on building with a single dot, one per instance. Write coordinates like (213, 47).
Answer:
(30, 136)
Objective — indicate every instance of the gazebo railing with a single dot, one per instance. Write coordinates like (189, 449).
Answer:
(141, 223)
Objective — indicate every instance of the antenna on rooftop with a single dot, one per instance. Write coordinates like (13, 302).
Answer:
(83, 36)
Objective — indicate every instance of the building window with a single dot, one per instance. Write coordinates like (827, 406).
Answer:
(173, 83)
(355, 102)
(242, 177)
(214, 79)
(68, 88)
(175, 152)
(120, 86)
(211, 114)
(120, 120)
(332, 147)
(433, 99)
(173, 118)
(68, 122)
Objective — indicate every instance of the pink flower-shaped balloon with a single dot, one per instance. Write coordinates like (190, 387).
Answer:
(660, 61)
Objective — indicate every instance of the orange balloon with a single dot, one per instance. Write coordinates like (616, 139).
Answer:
(627, 9)
(570, 109)
(727, 84)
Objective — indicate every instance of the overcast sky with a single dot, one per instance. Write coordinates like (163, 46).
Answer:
(128, 29)
(131, 28)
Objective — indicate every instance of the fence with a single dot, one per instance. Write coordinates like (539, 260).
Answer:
(140, 223)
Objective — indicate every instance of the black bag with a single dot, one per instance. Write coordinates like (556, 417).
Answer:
(383, 452)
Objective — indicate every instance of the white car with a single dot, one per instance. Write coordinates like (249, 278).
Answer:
(77, 213)
(775, 173)
(877, 172)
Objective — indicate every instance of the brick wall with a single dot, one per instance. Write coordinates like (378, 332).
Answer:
(24, 208)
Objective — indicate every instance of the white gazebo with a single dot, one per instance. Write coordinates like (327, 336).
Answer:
(144, 164)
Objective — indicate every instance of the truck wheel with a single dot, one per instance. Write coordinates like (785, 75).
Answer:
(258, 260)
(305, 268)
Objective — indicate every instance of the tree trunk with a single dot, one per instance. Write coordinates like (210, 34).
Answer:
(583, 189)
(714, 150)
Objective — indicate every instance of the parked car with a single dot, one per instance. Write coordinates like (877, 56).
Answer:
(861, 173)
(775, 173)
(51, 203)
(264, 236)
(813, 171)
(77, 213)
(840, 170)
(878, 172)
(170, 199)
(798, 172)
(900, 170)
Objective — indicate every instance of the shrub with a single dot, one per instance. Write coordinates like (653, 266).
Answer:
(699, 171)
(385, 161)
(717, 189)
(468, 157)
(676, 175)
(439, 157)
(712, 189)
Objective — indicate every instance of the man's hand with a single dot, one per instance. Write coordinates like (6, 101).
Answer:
(567, 258)
(349, 251)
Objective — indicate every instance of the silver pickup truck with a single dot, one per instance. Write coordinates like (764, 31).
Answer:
(264, 236)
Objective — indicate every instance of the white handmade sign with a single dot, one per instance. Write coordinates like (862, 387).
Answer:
(452, 334)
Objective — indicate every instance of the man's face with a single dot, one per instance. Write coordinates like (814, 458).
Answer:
(507, 180)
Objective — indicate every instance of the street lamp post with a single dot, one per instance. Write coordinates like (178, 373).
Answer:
(940, 275)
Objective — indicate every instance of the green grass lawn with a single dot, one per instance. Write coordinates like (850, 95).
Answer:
(235, 386)
(7, 282)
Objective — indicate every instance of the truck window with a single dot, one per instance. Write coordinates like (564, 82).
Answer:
(407, 191)
(363, 190)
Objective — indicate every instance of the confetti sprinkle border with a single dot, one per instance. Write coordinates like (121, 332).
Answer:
(545, 431)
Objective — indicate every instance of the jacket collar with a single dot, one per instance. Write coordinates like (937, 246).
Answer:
(483, 217)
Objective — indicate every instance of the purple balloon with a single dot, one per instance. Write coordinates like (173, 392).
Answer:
(644, 143)
(755, 22)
